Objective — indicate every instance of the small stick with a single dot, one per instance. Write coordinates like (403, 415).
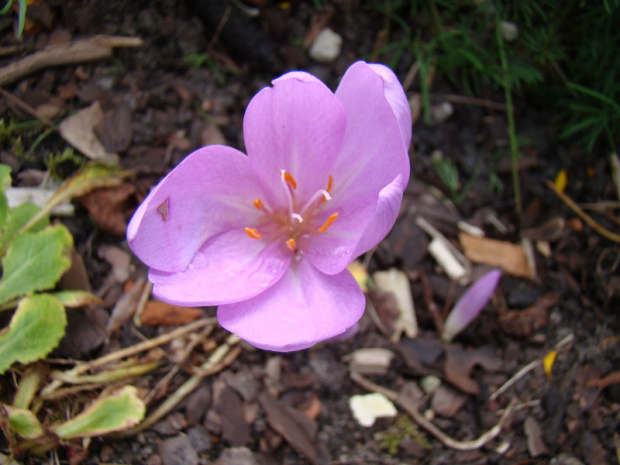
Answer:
(223, 356)
(527, 368)
(583, 215)
(415, 414)
(475, 101)
(163, 383)
(141, 347)
(91, 49)
(27, 108)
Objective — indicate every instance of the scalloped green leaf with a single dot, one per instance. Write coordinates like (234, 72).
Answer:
(5, 177)
(5, 183)
(16, 219)
(24, 423)
(75, 299)
(116, 412)
(35, 262)
(35, 330)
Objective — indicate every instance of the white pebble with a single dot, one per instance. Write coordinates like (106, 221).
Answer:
(326, 47)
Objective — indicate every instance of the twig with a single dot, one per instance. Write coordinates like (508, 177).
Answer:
(27, 108)
(527, 368)
(516, 377)
(415, 414)
(427, 291)
(141, 347)
(475, 101)
(600, 207)
(162, 384)
(411, 74)
(220, 28)
(91, 49)
(583, 215)
(223, 356)
(144, 297)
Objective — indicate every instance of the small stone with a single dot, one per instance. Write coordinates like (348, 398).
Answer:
(199, 438)
(510, 31)
(447, 402)
(326, 47)
(368, 407)
(565, 459)
(178, 451)
(430, 383)
(441, 112)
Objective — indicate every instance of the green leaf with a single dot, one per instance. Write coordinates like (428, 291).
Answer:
(17, 218)
(5, 177)
(73, 299)
(24, 422)
(5, 183)
(35, 262)
(36, 328)
(117, 412)
(89, 178)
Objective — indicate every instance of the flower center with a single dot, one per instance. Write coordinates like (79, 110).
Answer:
(294, 222)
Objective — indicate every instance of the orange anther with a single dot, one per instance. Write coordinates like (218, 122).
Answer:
(291, 244)
(328, 223)
(330, 184)
(288, 177)
(253, 233)
(258, 203)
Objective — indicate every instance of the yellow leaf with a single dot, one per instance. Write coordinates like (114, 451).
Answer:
(548, 362)
(560, 180)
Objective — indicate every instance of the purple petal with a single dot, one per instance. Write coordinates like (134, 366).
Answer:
(395, 95)
(371, 171)
(303, 308)
(299, 76)
(228, 268)
(297, 125)
(209, 192)
(374, 151)
(470, 304)
(385, 215)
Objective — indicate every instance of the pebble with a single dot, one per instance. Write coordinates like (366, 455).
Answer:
(565, 459)
(178, 451)
(326, 47)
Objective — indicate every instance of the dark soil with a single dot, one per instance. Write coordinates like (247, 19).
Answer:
(159, 106)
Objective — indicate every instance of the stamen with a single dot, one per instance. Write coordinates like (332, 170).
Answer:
(320, 194)
(253, 233)
(258, 203)
(328, 223)
(291, 244)
(289, 197)
(330, 184)
(288, 177)
(298, 217)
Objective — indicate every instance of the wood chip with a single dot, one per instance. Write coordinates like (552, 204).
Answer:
(397, 282)
(508, 256)
(535, 444)
(459, 364)
(368, 408)
(78, 130)
(293, 426)
(161, 313)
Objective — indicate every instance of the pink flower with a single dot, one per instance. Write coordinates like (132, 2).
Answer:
(268, 236)
(470, 304)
